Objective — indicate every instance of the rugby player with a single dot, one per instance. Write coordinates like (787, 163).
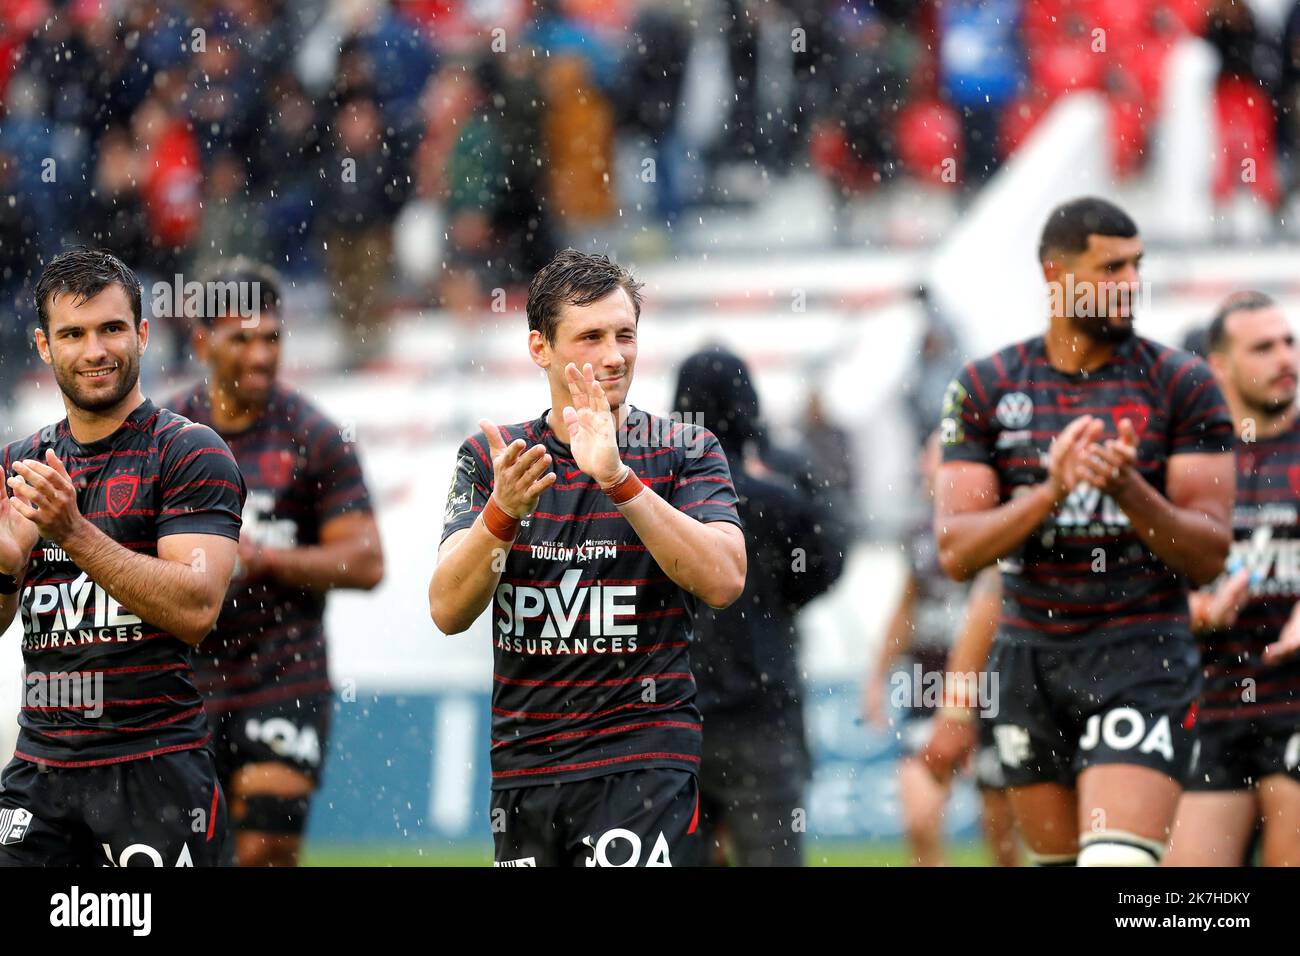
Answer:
(308, 528)
(1098, 466)
(592, 530)
(1247, 768)
(117, 542)
(933, 613)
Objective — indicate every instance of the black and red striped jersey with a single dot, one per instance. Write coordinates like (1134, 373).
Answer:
(269, 643)
(1084, 573)
(159, 474)
(592, 673)
(1266, 529)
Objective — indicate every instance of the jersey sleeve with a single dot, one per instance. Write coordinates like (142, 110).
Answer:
(202, 490)
(1199, 416)
(702, 487)
(335, 471)
(471, 484)
(966, 428)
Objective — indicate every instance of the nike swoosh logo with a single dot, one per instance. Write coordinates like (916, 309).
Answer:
(570, 475)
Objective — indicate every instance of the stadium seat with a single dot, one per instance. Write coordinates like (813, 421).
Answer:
(1246, 125)
(929, 132)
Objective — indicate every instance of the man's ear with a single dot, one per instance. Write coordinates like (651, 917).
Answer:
(43, 347)
(1218, 363)
(538, 350)
(143, 335)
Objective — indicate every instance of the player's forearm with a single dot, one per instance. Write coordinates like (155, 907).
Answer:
(172, 596)
(350, 564)
(1190, 542)
(971, 540)
(699, 559)
(466, 578)
(898, 636)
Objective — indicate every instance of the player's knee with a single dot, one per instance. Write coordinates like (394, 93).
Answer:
(267, 850)
(1117, 848)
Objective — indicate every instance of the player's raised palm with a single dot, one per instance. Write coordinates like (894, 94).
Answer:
(519, 476)
(593, 438)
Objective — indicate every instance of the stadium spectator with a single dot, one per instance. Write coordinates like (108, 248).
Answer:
(557, 34)
(230, 222)
(1246, 123)
(113, 217)
(375, 46)
(460, 165)
(875, 55)
(578, 138)
(1288, 99)
(980, 67)
(649, 96)
(29, 142)
(19, 262)
(171, 174)
(285, 187)
(366, 182)
(225, 100)
(522, 220)
(744, 658)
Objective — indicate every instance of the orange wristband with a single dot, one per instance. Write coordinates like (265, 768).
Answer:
(499, 521)
(625, 489)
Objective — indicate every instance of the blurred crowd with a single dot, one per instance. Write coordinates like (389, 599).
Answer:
(310, 134)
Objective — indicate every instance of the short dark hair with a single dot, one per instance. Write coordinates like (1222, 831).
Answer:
(1070, 224)
(1216, 335)
(244, 272)
(575, 278)
(85, 273)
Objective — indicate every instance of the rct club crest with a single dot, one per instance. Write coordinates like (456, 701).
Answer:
(1015, 409)
(121, 491)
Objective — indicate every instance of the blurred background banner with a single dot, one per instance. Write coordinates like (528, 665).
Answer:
(846, 194)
